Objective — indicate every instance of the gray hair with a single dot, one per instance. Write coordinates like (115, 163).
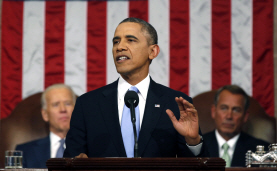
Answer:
(234, 89)
(56, 86)
(145, 26)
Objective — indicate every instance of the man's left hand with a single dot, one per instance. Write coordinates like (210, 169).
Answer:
(187, 125)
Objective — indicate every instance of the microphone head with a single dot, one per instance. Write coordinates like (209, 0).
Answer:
(131, 97)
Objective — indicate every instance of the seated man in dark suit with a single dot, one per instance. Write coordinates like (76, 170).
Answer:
(58, 101)
(99, 126)
(230, 113)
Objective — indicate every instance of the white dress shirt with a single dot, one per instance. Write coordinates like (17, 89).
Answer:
(143, 86)
(54, 144)
(232, 144)
(123, 87)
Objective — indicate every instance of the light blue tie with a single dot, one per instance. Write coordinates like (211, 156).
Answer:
(60, 149)
(127, 127)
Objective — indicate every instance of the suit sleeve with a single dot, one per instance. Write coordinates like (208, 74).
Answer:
(76, 137)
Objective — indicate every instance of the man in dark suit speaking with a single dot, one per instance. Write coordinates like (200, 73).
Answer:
(97, 127)
(57, 105)
(230, 113)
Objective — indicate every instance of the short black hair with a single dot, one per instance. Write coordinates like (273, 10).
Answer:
(234, 89)
(145, 26)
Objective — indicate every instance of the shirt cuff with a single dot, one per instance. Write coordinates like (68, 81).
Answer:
(195, 149)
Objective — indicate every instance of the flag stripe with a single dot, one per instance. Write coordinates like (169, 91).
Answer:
(159, 68)
(96, 45)
(138, 9)
(242, 44)
(76, 45)
(221, 43)
(200, 47)
(11, 55)
(263, 82)
(54, 42)
(179, 45)
(33, 45)
(116, 12)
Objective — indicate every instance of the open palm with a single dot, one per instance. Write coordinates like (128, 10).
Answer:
(187, 125)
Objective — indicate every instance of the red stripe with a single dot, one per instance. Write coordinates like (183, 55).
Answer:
(263, 73)
(221, 43)
(54, 42)
(138, 9)
(179, 45)
(96, 44)
(11, 55)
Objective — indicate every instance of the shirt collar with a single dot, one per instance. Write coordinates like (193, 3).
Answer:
(123, 87)
(231, 142)
(54, 138)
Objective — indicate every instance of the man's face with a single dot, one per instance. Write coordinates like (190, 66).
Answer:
(229, 114)
(131, 51)
(59, 107)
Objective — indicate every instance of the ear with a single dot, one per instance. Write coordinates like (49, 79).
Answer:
(246, 115)
(154, 51)
(213, 111)
(44, 115)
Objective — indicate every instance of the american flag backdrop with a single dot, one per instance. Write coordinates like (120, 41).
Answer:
(204, 44)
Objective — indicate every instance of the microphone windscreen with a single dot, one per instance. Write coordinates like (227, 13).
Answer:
(131, 97)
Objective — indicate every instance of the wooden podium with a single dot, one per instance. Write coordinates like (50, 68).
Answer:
(142, 164)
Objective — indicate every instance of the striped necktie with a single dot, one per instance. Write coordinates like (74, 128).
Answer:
(226, 156)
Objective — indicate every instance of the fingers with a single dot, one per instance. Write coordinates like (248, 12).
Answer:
(187, 111)
(82, 155)
(183, 104)
(171, 115)
(185, 107)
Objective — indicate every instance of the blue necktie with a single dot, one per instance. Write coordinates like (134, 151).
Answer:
(60, 149)
(127, 127)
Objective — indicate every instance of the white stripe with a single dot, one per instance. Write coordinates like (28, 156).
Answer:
(200, 47)
(75, 46)
(116, 12)
(33, 48)
(242, 44)
(159, 18)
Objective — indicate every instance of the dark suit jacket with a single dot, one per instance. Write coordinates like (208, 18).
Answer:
(245, 142)
(95, 129)
(35, 153)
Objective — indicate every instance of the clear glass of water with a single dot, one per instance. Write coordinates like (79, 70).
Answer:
(13, 159)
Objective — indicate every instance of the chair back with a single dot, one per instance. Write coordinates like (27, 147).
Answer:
(24, 124)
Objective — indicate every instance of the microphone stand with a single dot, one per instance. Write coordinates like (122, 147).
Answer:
(133, 119)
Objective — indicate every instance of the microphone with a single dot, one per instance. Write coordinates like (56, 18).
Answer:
(131, 100)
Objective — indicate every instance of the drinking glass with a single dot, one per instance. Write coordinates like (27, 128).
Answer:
(13, 159)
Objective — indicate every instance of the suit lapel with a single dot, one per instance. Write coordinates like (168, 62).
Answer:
(109, 108)
(213, 145)
(239, 153)
(151, 115)
(42, 146)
